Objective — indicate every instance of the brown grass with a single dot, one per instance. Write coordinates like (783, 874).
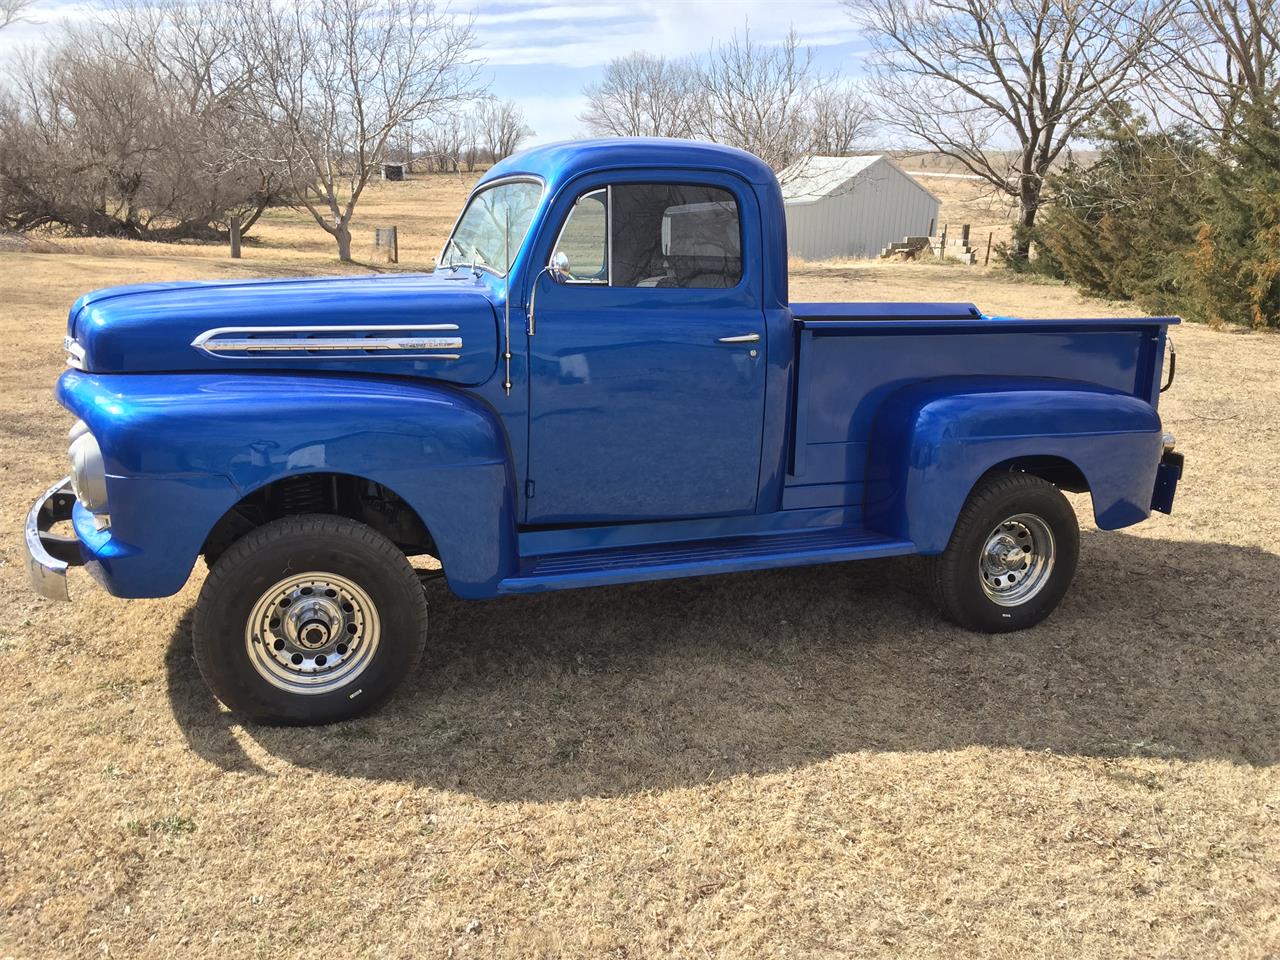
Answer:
(799, 763)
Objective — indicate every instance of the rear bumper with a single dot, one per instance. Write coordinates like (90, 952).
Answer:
(48, 554)
(1167, 476)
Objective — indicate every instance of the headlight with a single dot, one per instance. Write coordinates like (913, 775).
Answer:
(88, 474)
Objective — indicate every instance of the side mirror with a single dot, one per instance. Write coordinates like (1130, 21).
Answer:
(559, 266)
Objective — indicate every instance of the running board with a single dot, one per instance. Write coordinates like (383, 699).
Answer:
(593, 568)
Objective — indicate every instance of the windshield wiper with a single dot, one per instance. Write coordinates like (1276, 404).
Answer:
(478, 262)
(453, 242)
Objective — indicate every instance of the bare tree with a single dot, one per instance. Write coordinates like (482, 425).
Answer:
(768, 99)
(471, 140)
(839, 121)
(78, 140)
(190, 52)
(190, 48)
(124, 128)
(971, 77)
(333, 80)
(1221, 55)
(643, 95)
(503, 128)
(756, 97)
(13, 11)
(442, 141)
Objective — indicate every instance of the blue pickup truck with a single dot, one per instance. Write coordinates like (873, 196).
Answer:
(603, 381)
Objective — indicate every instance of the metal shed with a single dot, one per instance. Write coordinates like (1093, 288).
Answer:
(853, 206)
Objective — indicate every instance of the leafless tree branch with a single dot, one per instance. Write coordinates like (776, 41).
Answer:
(13, 11)
(643, 95)
(1220, 55)
(131, 127)
(768, 99)
(1001, 86)
(332, 81)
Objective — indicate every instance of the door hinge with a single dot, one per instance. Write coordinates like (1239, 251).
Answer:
(528, 489)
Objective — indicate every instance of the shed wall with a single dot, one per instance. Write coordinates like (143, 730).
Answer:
(881, 205)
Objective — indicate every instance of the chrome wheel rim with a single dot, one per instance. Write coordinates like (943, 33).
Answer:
(312, 633)
(1017, 560)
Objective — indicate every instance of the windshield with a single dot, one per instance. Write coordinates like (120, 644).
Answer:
(493, 226)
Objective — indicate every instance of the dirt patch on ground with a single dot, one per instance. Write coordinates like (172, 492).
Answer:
(791, 763)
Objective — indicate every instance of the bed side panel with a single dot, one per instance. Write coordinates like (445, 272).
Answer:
(845, 375)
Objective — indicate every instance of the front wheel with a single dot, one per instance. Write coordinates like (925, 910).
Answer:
(1011, 557)
(309, 619)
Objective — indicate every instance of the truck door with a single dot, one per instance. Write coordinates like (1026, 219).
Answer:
(647, 362)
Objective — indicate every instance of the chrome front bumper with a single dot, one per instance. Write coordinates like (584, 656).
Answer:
(50, 554)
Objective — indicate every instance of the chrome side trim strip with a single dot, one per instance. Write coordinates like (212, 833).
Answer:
(229, 341)
(328, 344)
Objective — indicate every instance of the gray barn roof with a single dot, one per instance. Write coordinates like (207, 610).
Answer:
(814, 178)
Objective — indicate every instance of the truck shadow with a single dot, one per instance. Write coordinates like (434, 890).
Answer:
(1163, 649)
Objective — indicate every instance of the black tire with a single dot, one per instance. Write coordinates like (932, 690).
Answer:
(363, 569)
(956, 577)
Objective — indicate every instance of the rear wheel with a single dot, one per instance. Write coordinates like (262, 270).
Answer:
(309, 619)
(1011, 557)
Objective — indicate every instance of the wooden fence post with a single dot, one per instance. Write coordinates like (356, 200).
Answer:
(235, 238)
(387, 241)
(987, 259)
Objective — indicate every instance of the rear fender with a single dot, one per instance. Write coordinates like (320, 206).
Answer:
(182, 449)
(932, 441)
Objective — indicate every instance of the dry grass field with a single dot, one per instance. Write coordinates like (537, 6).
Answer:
(797, 763)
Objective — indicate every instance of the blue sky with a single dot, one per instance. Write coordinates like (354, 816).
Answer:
(541, 54)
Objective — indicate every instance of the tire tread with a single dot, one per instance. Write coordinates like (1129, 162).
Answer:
(215, 588)
(944, 574)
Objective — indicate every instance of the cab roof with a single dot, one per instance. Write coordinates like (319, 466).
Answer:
(560, 162)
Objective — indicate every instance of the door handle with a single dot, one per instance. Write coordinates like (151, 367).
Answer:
(741, 338)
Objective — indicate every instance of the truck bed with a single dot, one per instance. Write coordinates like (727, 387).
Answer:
(852, 356)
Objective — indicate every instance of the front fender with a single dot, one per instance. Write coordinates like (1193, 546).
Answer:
(932, 441)
(182, 449)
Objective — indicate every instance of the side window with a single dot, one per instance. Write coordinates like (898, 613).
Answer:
(584, 239)
(675, 235)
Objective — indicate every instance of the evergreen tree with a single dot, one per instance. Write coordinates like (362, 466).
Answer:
(1172, 222)
(1122, 226)
(1235, 261)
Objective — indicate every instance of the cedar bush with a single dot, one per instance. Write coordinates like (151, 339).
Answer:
(1235, 263)
(1118, 228)
(1174, 223)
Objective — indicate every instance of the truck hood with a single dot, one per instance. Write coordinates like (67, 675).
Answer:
(424, 325)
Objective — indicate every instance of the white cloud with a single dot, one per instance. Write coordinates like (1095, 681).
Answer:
(553, 118)
(525, 12)
(555, 35)
(533, 33)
